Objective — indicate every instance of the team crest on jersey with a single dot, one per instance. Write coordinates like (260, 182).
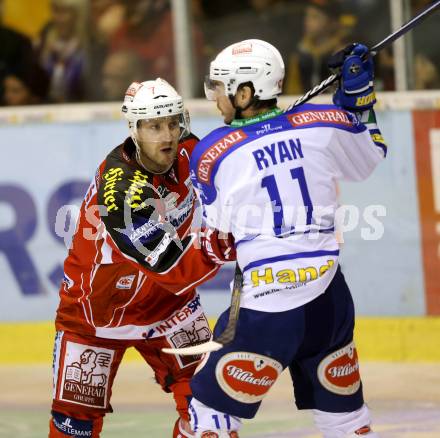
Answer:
(331, 116)
(85, 375)
(213, 153)
(339, 371)
(247, 377)
(125, 282)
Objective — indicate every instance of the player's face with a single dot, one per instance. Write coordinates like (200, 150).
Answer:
(226, 108)
(216, 91)
(158, 140)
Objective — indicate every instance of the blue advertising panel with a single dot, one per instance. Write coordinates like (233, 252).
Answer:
(46, 166)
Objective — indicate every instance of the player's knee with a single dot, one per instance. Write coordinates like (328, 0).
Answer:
(354, 424)
(209, 423)
(62, 425)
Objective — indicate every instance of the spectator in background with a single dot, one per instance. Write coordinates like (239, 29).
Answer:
(120, 68)
(323, 35)
(147, 31)
(107, 16)
(273, 21)
(426, 73)
(61, 49)
(25, 86)
(15, 52)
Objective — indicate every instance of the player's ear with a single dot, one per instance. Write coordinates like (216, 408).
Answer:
(244, 96)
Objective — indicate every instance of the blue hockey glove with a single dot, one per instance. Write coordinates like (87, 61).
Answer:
(355, 91)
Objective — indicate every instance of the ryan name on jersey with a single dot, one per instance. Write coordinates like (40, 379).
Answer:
(277, 153)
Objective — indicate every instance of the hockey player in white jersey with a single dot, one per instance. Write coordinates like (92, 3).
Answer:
(269, 177)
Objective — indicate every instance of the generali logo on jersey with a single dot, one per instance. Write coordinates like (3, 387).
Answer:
(86, 373)
(213, 153)
(247, 377)
(332, 116)
(339, 371)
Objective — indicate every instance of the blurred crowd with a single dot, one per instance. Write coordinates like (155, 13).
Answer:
(90, 50)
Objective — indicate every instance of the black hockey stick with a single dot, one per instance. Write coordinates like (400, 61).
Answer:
(374, 50)
(228, 334)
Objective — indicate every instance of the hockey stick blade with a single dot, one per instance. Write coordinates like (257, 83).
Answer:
(228, 334)
(374, 50)
(194, 350)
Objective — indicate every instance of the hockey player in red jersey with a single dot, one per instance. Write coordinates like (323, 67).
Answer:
(132, 269)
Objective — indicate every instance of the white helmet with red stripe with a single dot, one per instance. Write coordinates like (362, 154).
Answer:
(253, 61)
(151, 100)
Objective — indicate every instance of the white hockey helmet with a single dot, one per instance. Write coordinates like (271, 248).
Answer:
(253, 61)
(152, 100)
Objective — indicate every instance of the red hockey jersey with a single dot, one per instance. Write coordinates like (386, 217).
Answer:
(133, 264)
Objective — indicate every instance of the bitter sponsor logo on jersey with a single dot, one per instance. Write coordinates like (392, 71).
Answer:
(111, 177)
(247, 377)
(133, 193)
(212, 154)
(331, 116)
(85, 375)
(339, 371)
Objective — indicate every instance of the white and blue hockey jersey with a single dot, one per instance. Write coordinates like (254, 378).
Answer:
(271, 182)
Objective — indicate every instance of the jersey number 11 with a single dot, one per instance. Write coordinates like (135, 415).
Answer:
(269, 182)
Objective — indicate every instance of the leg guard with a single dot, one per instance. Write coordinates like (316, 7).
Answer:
(63, 425)
(354, 424)
(182, 429)
(209, 423)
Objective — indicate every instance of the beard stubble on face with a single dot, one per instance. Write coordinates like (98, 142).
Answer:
(159, 158)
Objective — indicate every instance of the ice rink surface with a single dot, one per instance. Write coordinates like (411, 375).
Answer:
(404, 399)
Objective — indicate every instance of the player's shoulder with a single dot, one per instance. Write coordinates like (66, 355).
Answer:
(311, 115)
(122, 180)
(213, 148)
(122, 156)
(188, 143)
